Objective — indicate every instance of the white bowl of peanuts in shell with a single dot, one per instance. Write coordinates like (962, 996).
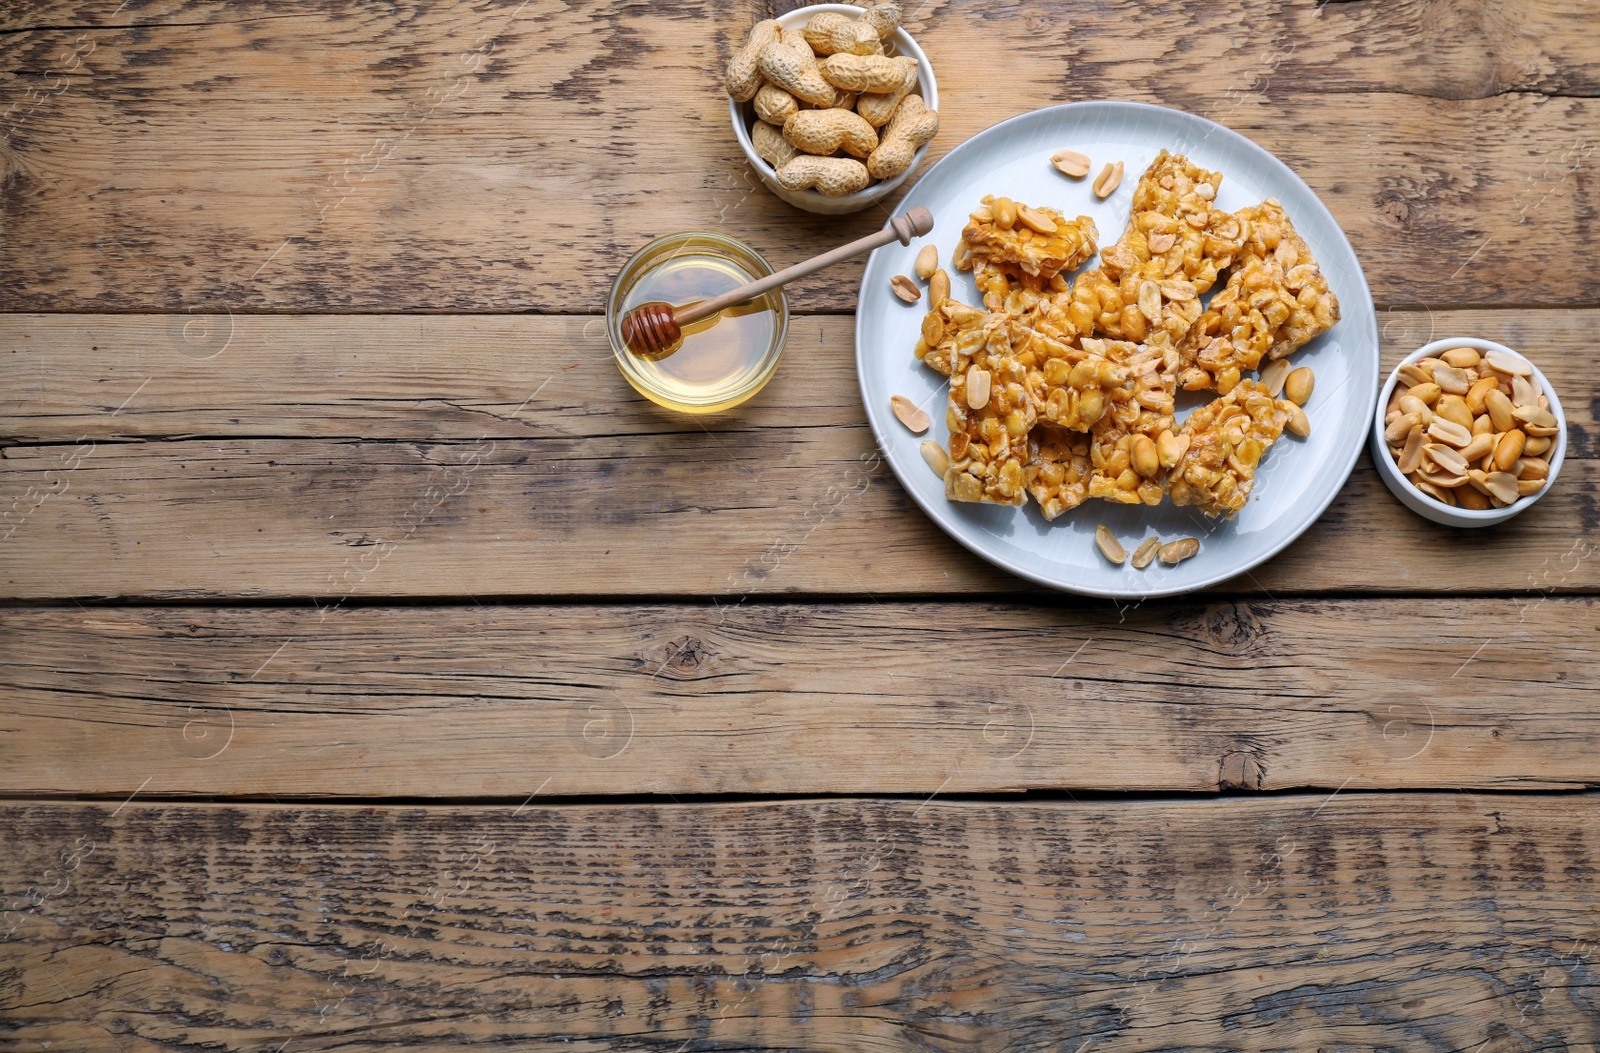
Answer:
(834, 105)
(1468, 432)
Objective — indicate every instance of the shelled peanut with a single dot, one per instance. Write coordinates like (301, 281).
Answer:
(840, 110)
(1471, 429)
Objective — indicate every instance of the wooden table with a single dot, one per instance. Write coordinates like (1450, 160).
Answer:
(380, 672)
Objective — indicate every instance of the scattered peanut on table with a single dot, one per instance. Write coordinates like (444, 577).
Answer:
(1471, 430)
(822, 92)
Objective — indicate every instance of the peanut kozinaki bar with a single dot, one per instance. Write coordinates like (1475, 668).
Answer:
(990, 415)
(1171, 253)
(1227, 438)
(1035, 246)
(1140, 419)
(1274, 303)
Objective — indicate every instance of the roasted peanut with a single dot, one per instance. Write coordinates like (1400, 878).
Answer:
(1275, 374)
(1427, 393)
(1035, 220)
(905, 288)
(1400, 427)
(1508, 450)
(1411, 455)
(1454, 381)
(1298, 423)
(1509, 363)
(1478, 392)
(978, 383)
(1523, 393)
(832, 32)
(1144, 457)
(1177, 551)
(1449, 431)
(927, 261)
(1461, 357)
(823, 132)
(1454, 408)
(1499, 408)
(774, 105)
(1004, 212)
(1171, 448)
(937, 459)
(1479, 447)
(1070, 163)
(910, 414)
(912, 126)
(1146, 552)
(743, 79)
(879, 107)
(1502, 486)
(1297, 386)
(938, 288)
(833, 176)
(794, 69)
(1106, 183)
(1109, 546)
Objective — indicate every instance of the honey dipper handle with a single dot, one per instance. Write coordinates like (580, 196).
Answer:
(914, 223)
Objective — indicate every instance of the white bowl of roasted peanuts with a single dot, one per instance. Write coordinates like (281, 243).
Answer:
(834, 105)
(1468, 432)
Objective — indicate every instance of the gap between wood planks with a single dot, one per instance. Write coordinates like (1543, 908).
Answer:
(1590, 792)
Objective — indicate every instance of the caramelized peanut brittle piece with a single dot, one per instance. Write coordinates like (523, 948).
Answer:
(1122, 449)
(1175, 245)
(1058, 477)
(1031, 244)
(1227, 438)
(1275, 301)
(990, 415)
(1316, 308)
(1076, 384)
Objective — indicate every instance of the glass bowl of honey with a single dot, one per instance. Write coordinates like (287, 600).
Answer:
(724, 359)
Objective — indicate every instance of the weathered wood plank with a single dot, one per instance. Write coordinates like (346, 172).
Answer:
(554, 436)
(815, 698)
(502, 157)
(70, 377)
(1389, 923)
(771, 511)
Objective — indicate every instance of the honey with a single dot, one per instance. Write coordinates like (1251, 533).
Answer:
(724, 359)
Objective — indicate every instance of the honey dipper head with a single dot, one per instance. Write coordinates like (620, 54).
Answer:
(650, 331)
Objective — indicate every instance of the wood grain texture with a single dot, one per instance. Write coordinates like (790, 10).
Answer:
(1384, 923)
(729, 515)
(487, 439)
(71, 377)
(507, 156)
(816, 698)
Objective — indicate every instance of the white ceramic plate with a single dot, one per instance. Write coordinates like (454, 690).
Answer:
(1298, 478)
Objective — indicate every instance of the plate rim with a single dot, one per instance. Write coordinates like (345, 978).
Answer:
(1267, 552)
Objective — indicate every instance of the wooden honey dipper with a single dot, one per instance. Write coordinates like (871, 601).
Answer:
(656, 328)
